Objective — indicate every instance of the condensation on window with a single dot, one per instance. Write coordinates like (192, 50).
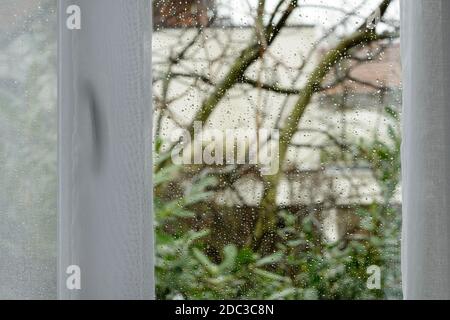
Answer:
(276, 149)
(28, 149)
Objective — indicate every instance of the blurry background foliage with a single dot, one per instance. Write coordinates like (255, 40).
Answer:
(303, 265)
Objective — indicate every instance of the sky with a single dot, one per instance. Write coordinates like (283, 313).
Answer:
(239, 10)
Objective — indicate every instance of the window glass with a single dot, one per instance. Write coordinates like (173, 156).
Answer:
(27, 149)
(276, 138)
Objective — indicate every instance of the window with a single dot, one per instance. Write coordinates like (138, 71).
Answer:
(276, 129)
(276, 150)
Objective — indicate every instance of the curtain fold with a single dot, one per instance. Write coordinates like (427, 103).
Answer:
(105, 223)
(426, 149)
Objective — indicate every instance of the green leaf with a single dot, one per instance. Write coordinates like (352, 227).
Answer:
(271, 276)
(283, 294)
(204, 260)
(230, 253)
(164, 175)
(273, 258)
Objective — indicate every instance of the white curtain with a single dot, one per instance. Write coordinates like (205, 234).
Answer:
(426, 149)
(105, 223)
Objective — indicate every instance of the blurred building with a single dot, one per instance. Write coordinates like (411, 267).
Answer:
(182, 13)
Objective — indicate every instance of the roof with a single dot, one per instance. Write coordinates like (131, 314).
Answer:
(383, 71)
